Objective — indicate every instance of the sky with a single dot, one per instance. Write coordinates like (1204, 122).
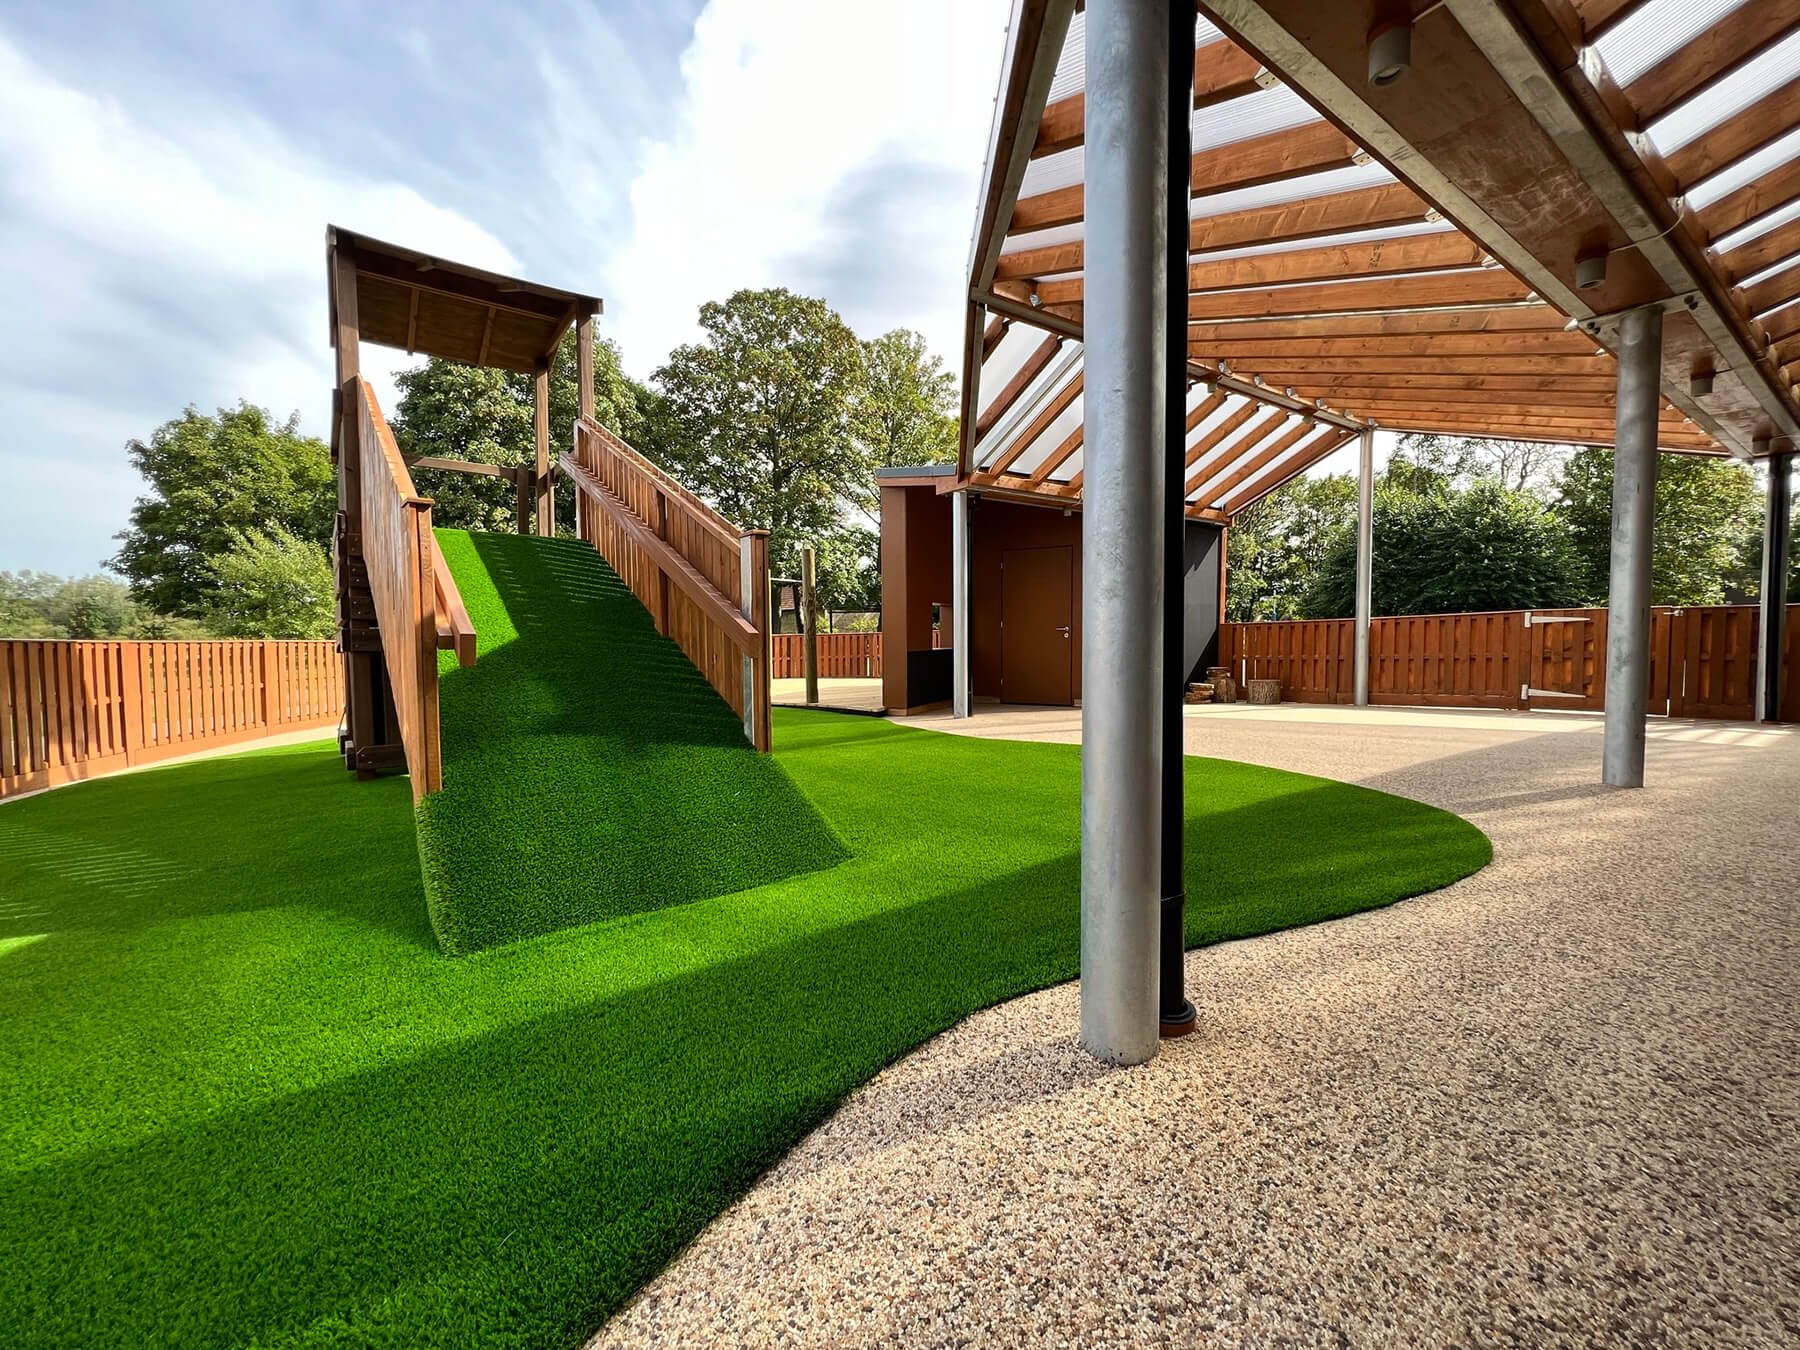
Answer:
(167, 172)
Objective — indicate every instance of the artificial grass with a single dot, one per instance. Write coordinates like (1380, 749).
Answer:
(248, 1102)
(589, 770)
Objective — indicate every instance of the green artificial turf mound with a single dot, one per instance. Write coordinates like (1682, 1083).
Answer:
(249, 1103)
(589, 769)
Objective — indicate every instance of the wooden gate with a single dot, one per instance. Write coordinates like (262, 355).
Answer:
(1708, 661)
(1565, 659)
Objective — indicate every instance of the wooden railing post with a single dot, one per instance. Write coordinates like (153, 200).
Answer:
(753, 568)
(661, 522)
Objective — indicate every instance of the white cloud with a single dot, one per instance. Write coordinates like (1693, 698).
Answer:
(830, 147)
(153, 256)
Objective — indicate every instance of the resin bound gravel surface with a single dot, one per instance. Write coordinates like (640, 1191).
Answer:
(1556, 1104)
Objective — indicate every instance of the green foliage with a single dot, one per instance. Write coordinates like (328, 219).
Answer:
(271, 584)
(761, 417)
(1426, 461)
(1706, 539)
(452, 411)
(906, 412)
(1273, 547)
(589, 769)
(1445, 552)
(212, 478)
(248, 1102)
(41, 605)
(849, 573)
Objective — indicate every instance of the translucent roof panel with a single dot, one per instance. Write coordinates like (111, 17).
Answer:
(1756, 229)
(1291, 190)
(1754, 81)
(1640, 41)
(1746, 170)
(1258, 114)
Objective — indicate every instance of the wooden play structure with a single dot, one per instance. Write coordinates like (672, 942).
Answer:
(703, 580)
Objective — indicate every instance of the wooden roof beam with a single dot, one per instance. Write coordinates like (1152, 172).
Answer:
(1052, 410)
(1320, 446)
(1222, 71)
(1745, 133)
(1756, 200)
(1480, 287)
(1336, 213)
(1276, 157)
(1711, 57)
(1242, 446)
(1018, 384)
(1400, 344)
(1059, 456)
(1218, 434)
(1239, 468)
(1506, 318)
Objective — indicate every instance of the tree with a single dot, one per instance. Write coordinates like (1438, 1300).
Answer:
(758, 417)
(1272, 550)
(1448, 552)
(452, 411)
(907, 411)
(849, 569)
(1707, 522)
(1423, 459)
(272, 584)
(212, 478)
(42, 605)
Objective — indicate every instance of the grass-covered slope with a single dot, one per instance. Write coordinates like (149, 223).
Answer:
(589, 770)
(248, 1103)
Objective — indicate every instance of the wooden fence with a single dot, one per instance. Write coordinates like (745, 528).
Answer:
(417, 608)
(704, 581)
(1702, 659)
(74, 710)
(842, 656)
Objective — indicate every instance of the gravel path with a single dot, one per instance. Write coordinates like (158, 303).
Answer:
(1555, 1104)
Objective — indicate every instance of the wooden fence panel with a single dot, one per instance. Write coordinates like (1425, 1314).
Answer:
(694, 571)
(842, 656)
(1702, 659)
(75, 710)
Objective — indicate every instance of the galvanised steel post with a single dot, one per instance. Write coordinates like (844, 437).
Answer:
(1122, 525)
(962, 688)
(1365, 562)
(1634, 511)
(1176, 1014)
(1777, 525)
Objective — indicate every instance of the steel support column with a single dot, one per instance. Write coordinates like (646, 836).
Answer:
(1772, 614)
(1176, 1013)
(962, 688)
(1365, 562)
(1634, 511)
(1122, 526)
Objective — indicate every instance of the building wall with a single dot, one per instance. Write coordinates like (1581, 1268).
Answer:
(916, 573)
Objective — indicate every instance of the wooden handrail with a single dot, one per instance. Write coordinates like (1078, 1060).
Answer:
(727, 532)
(678, 569)
(454, 630)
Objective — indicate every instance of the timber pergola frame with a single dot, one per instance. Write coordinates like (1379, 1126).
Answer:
(396, 297)
(1342, 275)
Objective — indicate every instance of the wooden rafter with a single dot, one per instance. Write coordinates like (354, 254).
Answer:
(1754, 201)
(1711, 57)
(1243, 445)
(1052, 410)
(1059, 456)
(1217, 436)
(1337, 213)
(1315, 450)
(1017, 385)
(1508, 318)
(487, 332)
(1216, 486)
(996, 330)
(1480, 286)
(1739, 136)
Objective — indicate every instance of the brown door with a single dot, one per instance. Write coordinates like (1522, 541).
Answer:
(1037, 615)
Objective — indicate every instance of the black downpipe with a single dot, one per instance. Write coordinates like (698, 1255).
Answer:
(1177, 1013)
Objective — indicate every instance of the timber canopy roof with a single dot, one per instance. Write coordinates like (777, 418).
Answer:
(1405, 256)
(437, 308)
